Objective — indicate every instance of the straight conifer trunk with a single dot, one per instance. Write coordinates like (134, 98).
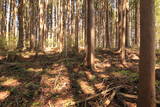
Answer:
(147, 55)
(20, 44)
(90, 33)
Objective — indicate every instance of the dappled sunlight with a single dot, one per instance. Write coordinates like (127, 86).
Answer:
(90, 76)
(117, 74)
(4, 95)
(104, 76)
(35, 69)
(58, 67)
(100, 86)
(86, 88)
(10, 82)
(99, 65)
(27, 54)
(56, 81)
(76, 69)
(62, 102)
(107, 65)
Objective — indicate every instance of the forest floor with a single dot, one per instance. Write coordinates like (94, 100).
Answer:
(51, 80)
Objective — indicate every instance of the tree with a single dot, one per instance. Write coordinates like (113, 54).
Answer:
(32, 30)
(90, 33)
(106, 25)
(20, 44)
(137, 23)
(41, 25)
(147, 55)
(76, 25)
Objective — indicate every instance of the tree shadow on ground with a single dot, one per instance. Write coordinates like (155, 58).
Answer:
(52, 79)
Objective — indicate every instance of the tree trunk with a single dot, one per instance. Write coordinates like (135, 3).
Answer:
(147, 55)
(20, 44)
(137, 24)
(32, 26)
(90, 34)
(41, 26)
(127, 41)
(76, 25)
(61, 26)
(106, 26)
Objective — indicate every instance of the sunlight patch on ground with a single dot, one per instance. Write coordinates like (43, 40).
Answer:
(86, 88)
(100, 86)
(90, 76)
(27, 54)
(10, 82)
(75, 69)
(117, 74)
(63, 102)
(58, 67)
(35, 69)
(99, 65)
(56, 82)
(107, 65)
(4, 95)
(103, 76)
(62, 84)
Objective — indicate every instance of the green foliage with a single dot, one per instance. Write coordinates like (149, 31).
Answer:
(158, 61)
(2, 42)
(158, 85)
(36, 104)
(133, 77)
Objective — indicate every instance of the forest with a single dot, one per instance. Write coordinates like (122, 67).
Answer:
(79, 53)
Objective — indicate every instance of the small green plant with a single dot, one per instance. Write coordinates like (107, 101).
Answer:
(132, 76)
(2, 42)
(158, 85)
(36, 104)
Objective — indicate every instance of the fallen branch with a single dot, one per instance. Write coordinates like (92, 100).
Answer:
(134, 96)
(128, 95)
(96, 95)
(108, 101)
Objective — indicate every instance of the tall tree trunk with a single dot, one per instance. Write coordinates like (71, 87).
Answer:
(147, 55)
(120, 21)
(122, 38)
(127, 41)
(90, 33)
(8, 20)
(61, 26)
(106, 26)
(32, 26)
(41, 25)
(20, 44)
(137, 24)
(76, 25)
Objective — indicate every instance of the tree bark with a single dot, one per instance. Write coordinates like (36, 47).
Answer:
(20, 44)
(147, 55)
(106, 26)
(137, 24)
(90, 34)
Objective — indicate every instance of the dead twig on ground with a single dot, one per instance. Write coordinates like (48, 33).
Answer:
(128, 95)
(96, 95)
(109, 100)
